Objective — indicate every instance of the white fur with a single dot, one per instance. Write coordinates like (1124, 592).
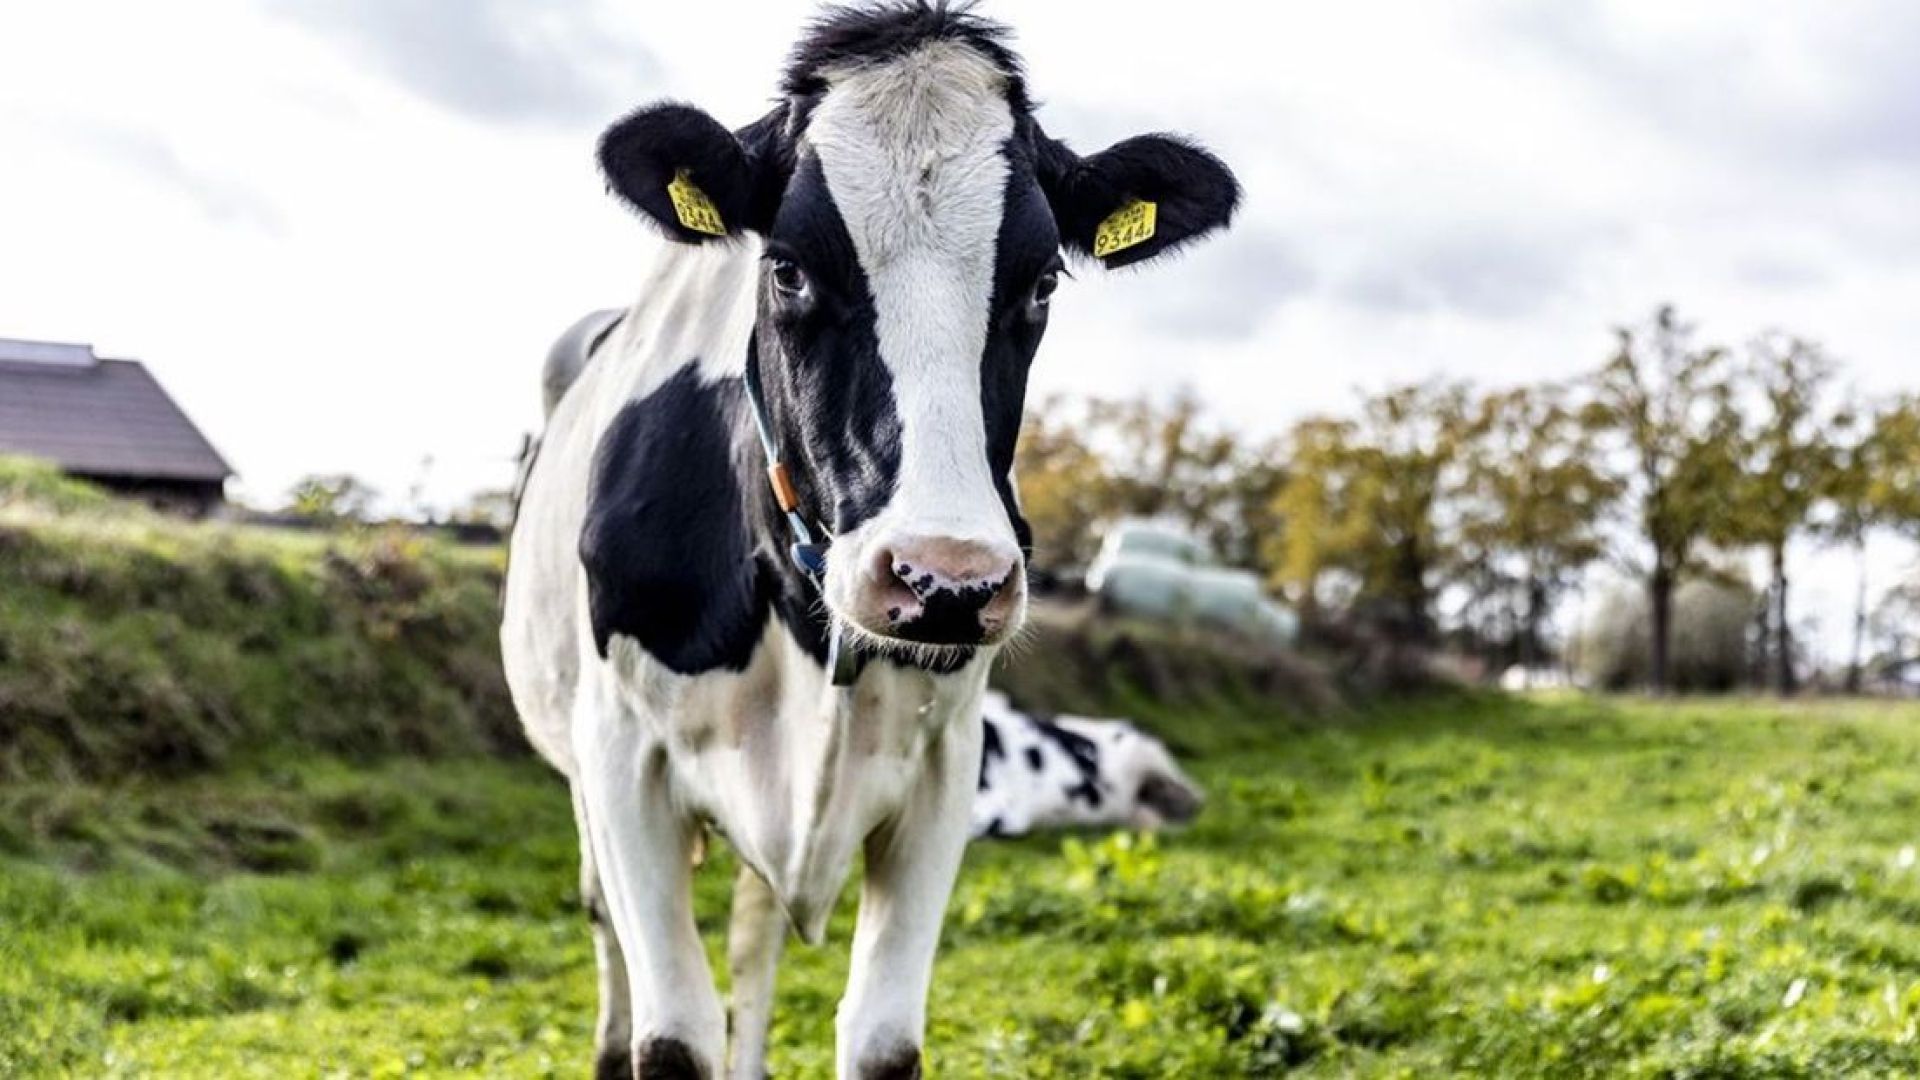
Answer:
(913, 154)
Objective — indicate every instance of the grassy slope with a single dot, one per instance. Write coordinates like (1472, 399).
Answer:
(131, 643)
(1567, 888)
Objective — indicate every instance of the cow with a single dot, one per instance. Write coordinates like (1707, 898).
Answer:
(770, 544)
(1074, 772)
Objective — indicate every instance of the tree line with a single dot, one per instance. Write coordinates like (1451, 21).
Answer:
(1440, 510)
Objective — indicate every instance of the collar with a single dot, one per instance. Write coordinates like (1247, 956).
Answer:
(808, 555)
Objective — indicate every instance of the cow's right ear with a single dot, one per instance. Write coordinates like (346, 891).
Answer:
(683, 171)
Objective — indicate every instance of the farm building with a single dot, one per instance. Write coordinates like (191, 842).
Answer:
(106, 421)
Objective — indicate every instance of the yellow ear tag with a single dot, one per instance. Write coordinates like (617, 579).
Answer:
(694, 209)
(1130, 225)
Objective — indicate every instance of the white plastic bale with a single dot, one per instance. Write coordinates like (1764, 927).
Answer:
(1148, 587)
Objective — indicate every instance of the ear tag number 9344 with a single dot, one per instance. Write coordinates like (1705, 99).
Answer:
(692, 206)
(1132, 224)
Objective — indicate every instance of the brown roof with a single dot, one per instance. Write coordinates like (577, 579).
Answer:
(105, 418)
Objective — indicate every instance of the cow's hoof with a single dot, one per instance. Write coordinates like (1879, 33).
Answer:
(613, 1063)
(666, 1059)
(902, 1064)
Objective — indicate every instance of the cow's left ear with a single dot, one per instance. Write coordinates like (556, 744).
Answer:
(683, 171)
(1136, 199)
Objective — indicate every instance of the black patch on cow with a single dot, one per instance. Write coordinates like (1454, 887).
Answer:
(662, 1058)
(1170, 798)
(899, 1064)
(1025, 249)
(1084, 754)
(991, 748)
(829, 394)
(1035, 759)
(643, 152)
(1193, 191)
(996, 828)
(614, 1063)
(950, 616)
(666, 547)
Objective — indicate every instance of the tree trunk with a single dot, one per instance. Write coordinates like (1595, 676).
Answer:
(1856, 675)
(1782, 631)
(1530, 627)
(1660, 600)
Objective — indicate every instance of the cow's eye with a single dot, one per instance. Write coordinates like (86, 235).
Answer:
(1042, 295)
(1043, 289)
(788, 279)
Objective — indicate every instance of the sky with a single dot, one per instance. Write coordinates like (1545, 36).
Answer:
(343, 232)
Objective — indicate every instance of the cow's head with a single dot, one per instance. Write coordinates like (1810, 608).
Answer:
(912, 216)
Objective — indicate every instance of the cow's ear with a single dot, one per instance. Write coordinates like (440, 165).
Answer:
(1136, 199)
(683, 171)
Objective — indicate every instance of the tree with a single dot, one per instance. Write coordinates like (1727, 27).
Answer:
(331, 498)
(1873, 482)
(1313, 506)
(1534, 493)
(491, 507)
(1365, 496)
(1165, 460)
(1083, 465)
(1789, 460)
(1667, 404)
(1894, 490)
(1063, 487)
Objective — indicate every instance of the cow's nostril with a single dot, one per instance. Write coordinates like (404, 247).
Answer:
(942, 590)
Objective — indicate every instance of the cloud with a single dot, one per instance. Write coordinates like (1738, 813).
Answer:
(1227, 290)
(556, 64)
(1795, 86)
(1493, 270)
(223, 200)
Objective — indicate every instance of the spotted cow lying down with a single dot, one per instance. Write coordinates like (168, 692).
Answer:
(1074, 772)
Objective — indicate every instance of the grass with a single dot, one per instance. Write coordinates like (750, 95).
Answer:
(1556, 887)
(131, 642)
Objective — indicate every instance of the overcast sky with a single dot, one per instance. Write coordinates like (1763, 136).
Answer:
(343, 232)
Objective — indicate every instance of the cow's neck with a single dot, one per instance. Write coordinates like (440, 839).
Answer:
(794, 598)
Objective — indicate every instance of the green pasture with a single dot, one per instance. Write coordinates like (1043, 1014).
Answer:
(1460, 887)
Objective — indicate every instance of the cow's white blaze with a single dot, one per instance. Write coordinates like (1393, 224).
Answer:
(913, 152)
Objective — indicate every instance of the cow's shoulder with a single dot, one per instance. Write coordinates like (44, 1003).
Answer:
(666, 545)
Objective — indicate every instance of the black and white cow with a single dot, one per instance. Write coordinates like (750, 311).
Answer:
(1074, 772)
(855, 286)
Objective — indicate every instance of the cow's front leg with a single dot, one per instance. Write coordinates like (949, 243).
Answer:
(910, 867)
(643, 850)
(613, 1031)
(755, 939)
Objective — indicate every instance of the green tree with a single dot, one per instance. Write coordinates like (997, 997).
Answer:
(1667, 405)
(1083, 464)
(1364, 496)
(1313, 504)
(331, 498)
(1064, 486)
(1876, 484)
(1166, 460)
(1894, 487)
(1788, 468)
(1533, 496)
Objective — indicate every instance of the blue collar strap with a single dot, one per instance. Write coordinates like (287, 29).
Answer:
(807, 554)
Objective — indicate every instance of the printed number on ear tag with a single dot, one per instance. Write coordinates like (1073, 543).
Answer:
(694, 209)
(1130, 225)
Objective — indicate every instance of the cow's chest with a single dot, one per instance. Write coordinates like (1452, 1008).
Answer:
(797, 773)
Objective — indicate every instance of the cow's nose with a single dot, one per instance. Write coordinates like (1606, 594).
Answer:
(944, 591)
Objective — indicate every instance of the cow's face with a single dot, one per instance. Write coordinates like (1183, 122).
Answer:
(911, 218)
